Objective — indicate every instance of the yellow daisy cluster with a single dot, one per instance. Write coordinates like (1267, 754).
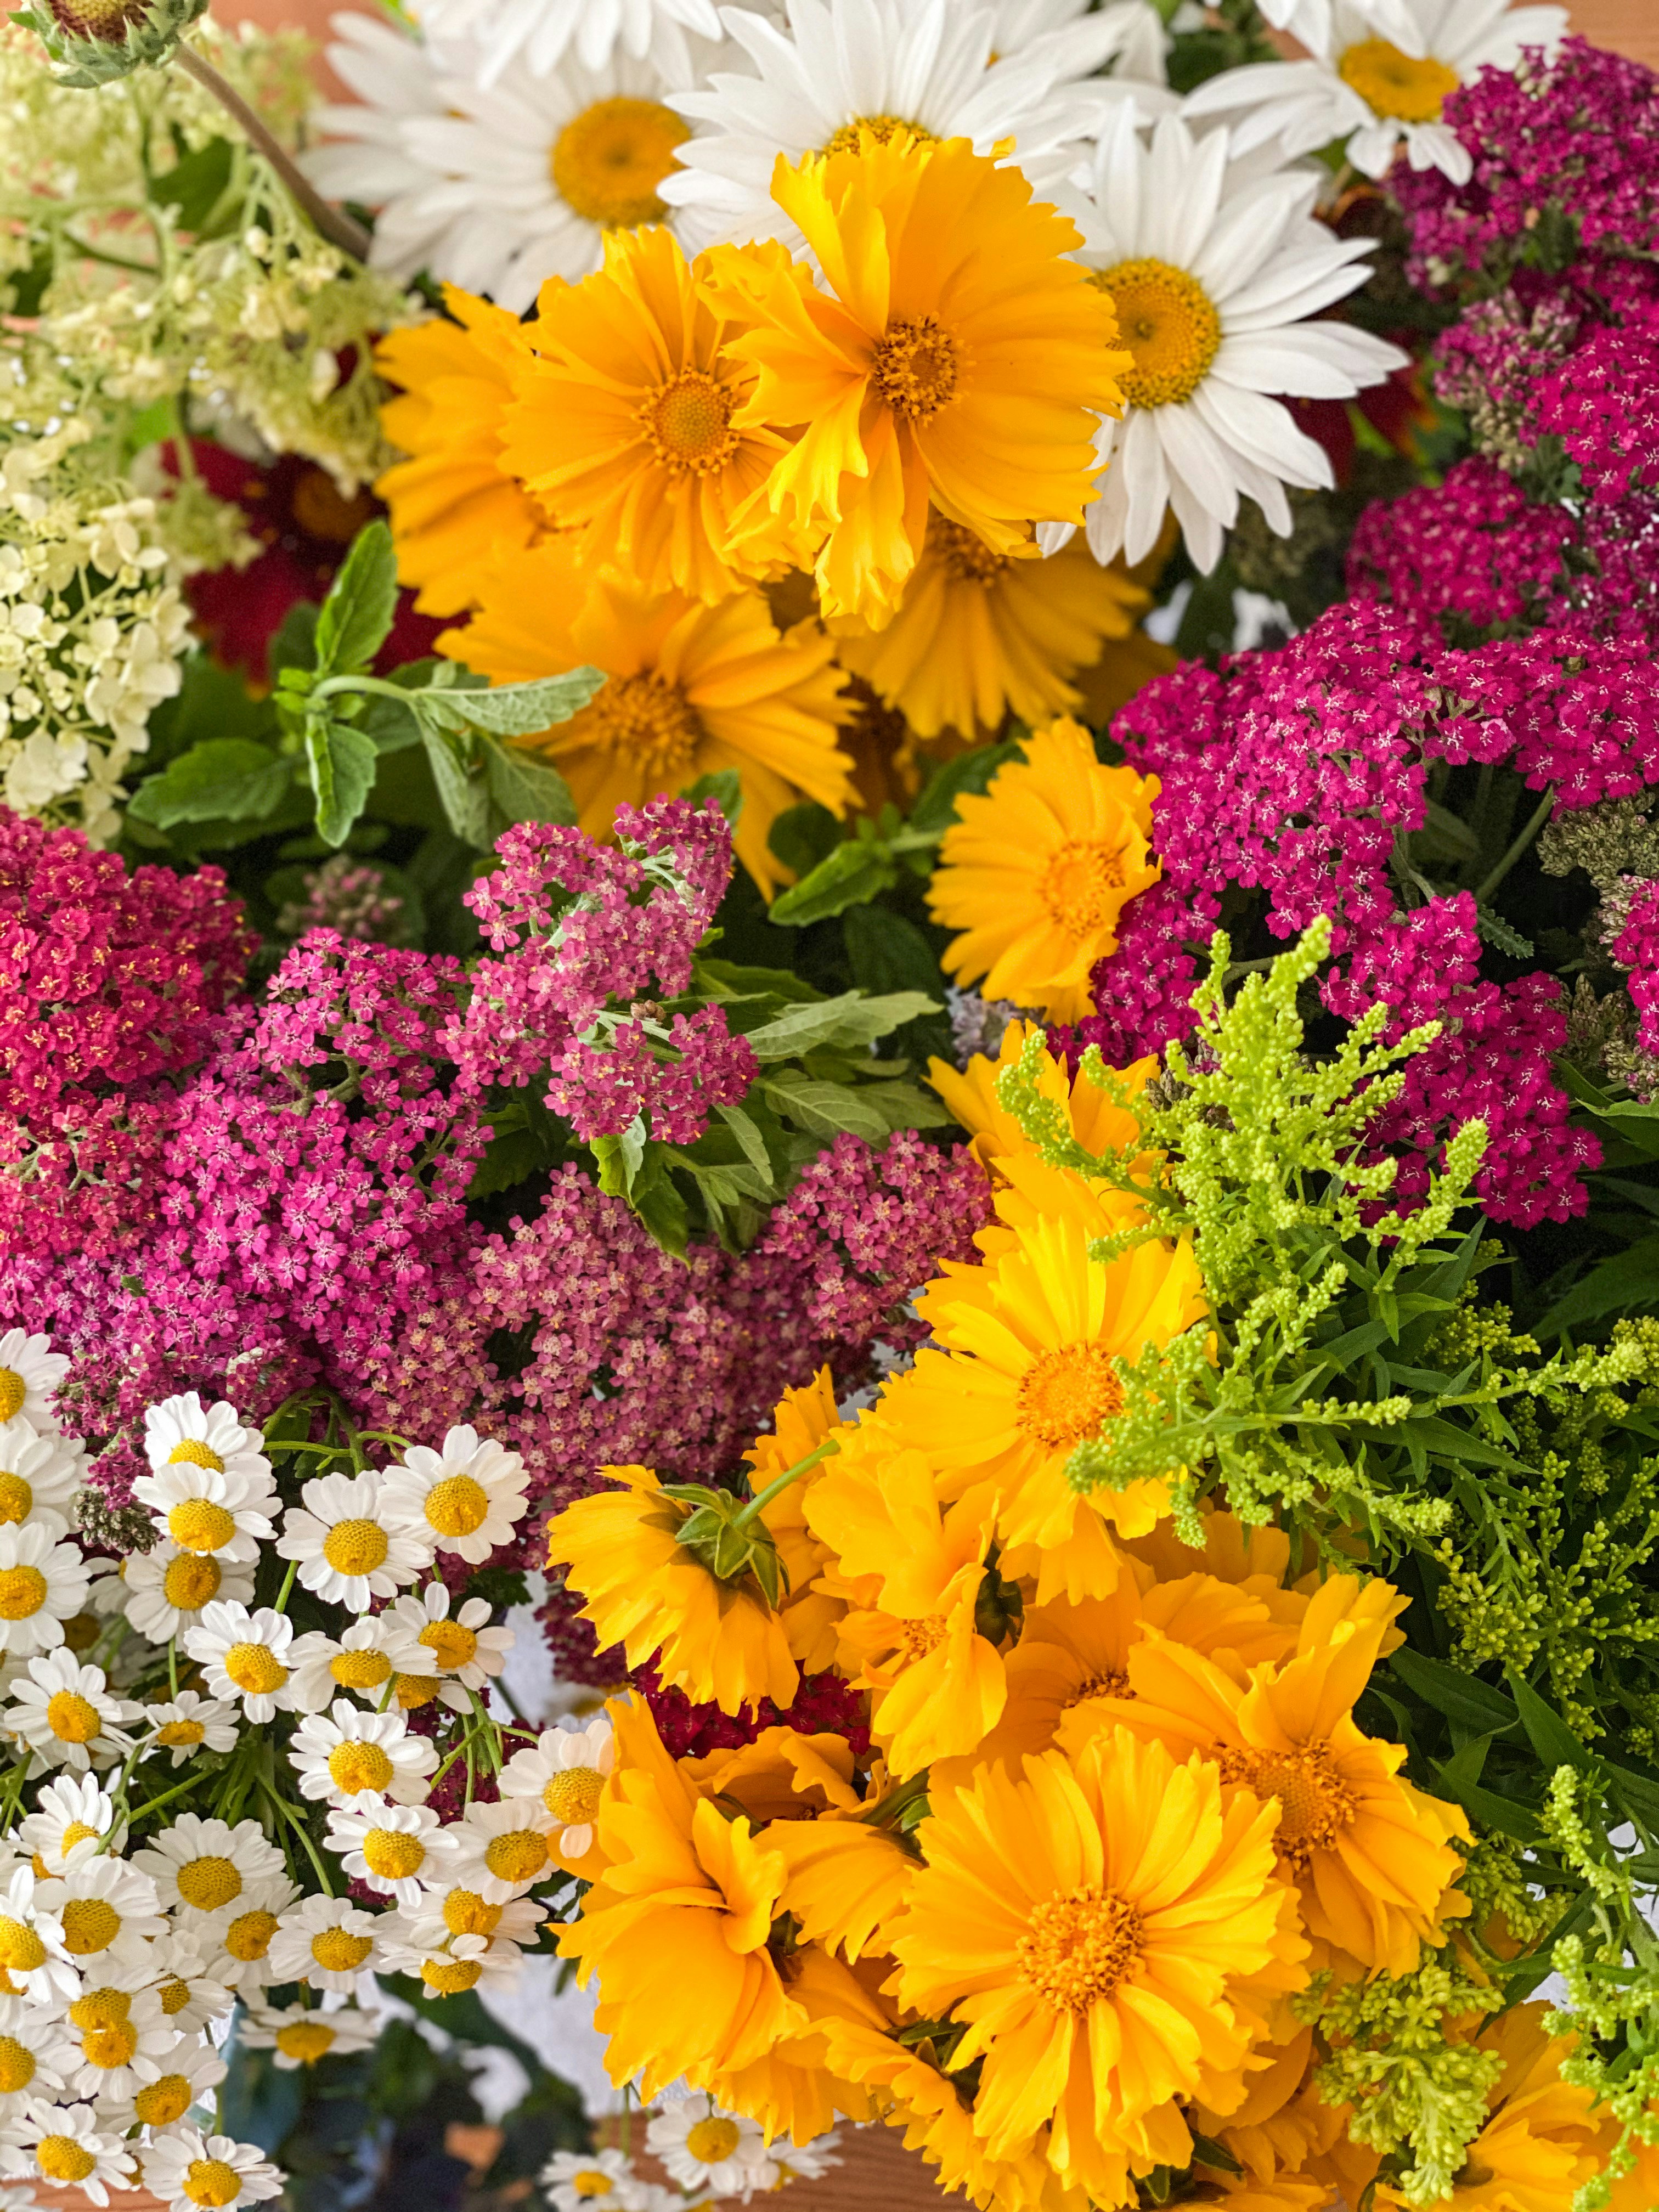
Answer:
(789, 507)
(1060, 1917)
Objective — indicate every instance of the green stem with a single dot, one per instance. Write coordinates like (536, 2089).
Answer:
(1539, 817)
(288, 1814)
(173, 1665)
(152, 1804)
(335, 225)
(775, 1488)
(283, 1593)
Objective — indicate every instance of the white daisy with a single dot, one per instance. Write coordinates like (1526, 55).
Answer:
(1374, 79)
(65, 1713)
(35, 2056)
(349, 1754)
(164, 2089)
(31, 1373)
(211, 1513)
(393, 1848)
(43, 1583)
(501, 1849)
(464, 1651)
(109, 1592)
(467, 1498)
(539, 32)
(67, 2144)
(39, 1472)
(925, 63)
(565, 1773)
(325, 1941)
(593, 2181)
(201, 1867)
(69, 1816)
(193, 1989)
(497, 187)
(347, 1552)
(442, 1912)
(240, 1956)
(183, 1432)
(1139, 41)
(359, 1661)
(101, 1909)
(448, 1964)
(193, 2171)
(31, 1956)
(167, 1590)
(299, 2036)
(1213, 272)
(244, 1655)
(188, 1723)
(807, 2161)
(101, 2066)
(705, 2149)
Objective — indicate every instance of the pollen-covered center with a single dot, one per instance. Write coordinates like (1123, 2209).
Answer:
(1106, 1682)
(211, 2183)
(188, 1583)
(591, 2182)
(573, 1796)
(1069, 1394)
(917, 367)
(21, 1949)
(17, 1498)
(877, 130)
(1168, 323)
(180, 1735)
(23, 1592)
(337, 1951)
(100, 2009)
(110, 2046)
(60, 2158)
(519, 1855)
(391, 1855)
(465, 1913)
(196, 1524)
(17, 2064)
(308, 2040)
(73, 1719)
(356, 1547)
(1315, 1803)
(713, 2139)
(210, 1883)
(608, 162)
(649, 720)
(1393, 84)
(687, 422)
(255, 1669)
(414, 1691)
(1082, 887)
(450, 1644)
(360, 1670)
(90, 1923)
(174, 1996)
(456, 1506)
(447, 1977)
(13, 1391)
(968, 557)
(191, 1451)
(249, 1935)
(1079, 1946)
(916, 1639)
(160, 2103)
(353, 1767)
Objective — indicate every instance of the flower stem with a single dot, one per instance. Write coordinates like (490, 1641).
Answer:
(762, 1498)
(336, 226)
(1539, 816)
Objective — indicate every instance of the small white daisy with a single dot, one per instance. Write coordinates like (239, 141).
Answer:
(539, 32)
(468, 1498)
(101, 2066)
(183, 1432)
(347, 1551)
(465, 1652)
(349, 1754)
(214, 1515)
(807, 2161)
(705, 2149)
(501, 1849)
(201, 1867)
(448, 1964)
(99, 1909)
(43, 1583)
(240, 1939)
(395, 1849)
(1373, 81)
(209, 2173)
(244, 1656)
(186, 1724)
(359, 1661)
(443, 1911)
(325, 1941)
(593, 2181)
(164, 2089)
(35, 2056)
(191, 1988)
(565, 1773)
(31, 1956)
(167, 1589)
(65, 1713)
(71, 1813)
(299, 2036)
(66, 2144)
(39, 1472)
(31, 1373)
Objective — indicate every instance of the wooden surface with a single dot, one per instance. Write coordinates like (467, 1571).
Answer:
(875, 2175)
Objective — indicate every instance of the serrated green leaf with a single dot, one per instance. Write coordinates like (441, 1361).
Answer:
(464, 798)
(936, 809)
(826, 1109)
(340, 762)
(750, 1140)
(525, 789)
(230, 779)
(853, 874)
(354, 621)
(852, 1018)
(510, 710)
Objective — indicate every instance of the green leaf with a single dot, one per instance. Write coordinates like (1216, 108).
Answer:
(361, 602)
(936, 809)
(854, 1018)
(725, 786)
(342, 762)
(511, 710)
(803, 835)
(750, 1140)
(853, 874)
(1547, 1733)
(1640, 1797)
(825, 1109)
(1461, 1697)
(1627, 1281)
(195, 183)
(295, 644)
(464, 798)
(228, 779)
(525, 789)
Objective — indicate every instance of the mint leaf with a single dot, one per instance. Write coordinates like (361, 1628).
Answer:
(361, 602)
(342, 762)
(223, 779)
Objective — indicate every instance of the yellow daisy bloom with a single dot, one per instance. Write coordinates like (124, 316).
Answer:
(847, 1883)
(720, 1642)
(624, 419)
(1036, 874)
(995, 1138)
(1104, 1929)
(453, 502)
(980, 634)
(795, 2090)
(803, 1418)
(693, 688)
(955, 357)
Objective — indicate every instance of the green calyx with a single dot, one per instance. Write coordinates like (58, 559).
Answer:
(727, 1533)
(97, 40)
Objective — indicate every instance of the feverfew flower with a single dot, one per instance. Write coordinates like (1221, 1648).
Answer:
(565, 1773)
(71, 1813)
(592, 2181)
(196, 2172)
(186, 1724)
(101, 2066)
(31, 1952)
(347, 1549)
(299, 2036)
(35, 2056)
(193, 1989)
(99, 1910)
(30, 1375)
(63, 2144)
(167, 1590)
(395, 1849)
(705, 2149)
(540, 31)
(207, 1512)
(65, 1713)
(360, 1660)
(182, 1432)
(203, 1866)
(39, 1473)
(448, 1964)
(164, 2089)
(501, 1849)
(465, 1652)
(326, 1941)
(352, 1753)
(43, 1583)
(467, 1498)
(244, 1655)
(243, 1937)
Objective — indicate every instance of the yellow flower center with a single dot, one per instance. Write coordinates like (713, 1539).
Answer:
(650, 722)
(356, 1547)
(13, 1391)
(968, 557)
(881, 130)
(391, 1855)
(917, 367)
(591, 2183)
(16, 2065)
(1082, 886)
(450, 1644)
(60, 2158)
(308, 2040)
(189, 1452)
(175, 1996)
(1391, 83)
(17, 1498)
(1069, 1394)
(77, 1832)
(100, 2009)
(360, 1670)
(608, 162)
(255, 1669)
(456, 1507)
(188, 1583)
(519, 1855)
(22, 1591)
(90, 1923)
(688, 423)
(353, 1767)
(1110, 1682)
(110, 2046)
(210, 2182)
(249, 1935)
(916, 1639)
(199, 1525)
(1078, 1946)
(72, 1718)
(337, 1951)
(1166, 320)
(449, 1977)
(208, 1882)
(465, 1913)
(21, 1949)
(573, 1796)
(1315, 1802)
(160, 2103)
(414, 1691)
(174, 1733)
(713, 2139)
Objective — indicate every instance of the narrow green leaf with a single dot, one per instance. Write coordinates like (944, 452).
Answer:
(361, 602)
(1628, 1281)
(342, 762)
(1461, 1697)
(228, 779)
(1547, 1733)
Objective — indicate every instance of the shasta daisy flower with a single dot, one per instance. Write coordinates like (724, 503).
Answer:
(467, 1498)
(348, 1548)
(462, 1652)
(71, 1813)
(100, 1910)
(31, 1373)
(65, 1713)
(540, 35)
(244, 1656)
(188, 1723)
(35, 2058)
(360, 1662)
(565, 1770)
(43, 1583)
(110, 2046)
(66, 2145)
(711, 2152)
(39, 1473)
(395, 1849)
(299, 2035)
(349, 1754)
(167, 1589)
(326, 1941)
(501, 1850)
(164, 2089)
(203, 1866)
(209, 2173)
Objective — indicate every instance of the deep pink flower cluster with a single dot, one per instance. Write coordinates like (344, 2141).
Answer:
(1603, 404)
(822, 1704)
(1636, 948)
(1414, 965)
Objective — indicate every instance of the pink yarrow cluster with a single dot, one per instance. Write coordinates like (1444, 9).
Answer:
(1636, 948)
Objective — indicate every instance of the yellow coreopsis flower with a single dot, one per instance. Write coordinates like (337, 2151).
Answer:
(955, 356)
(997, 1141)
(1036, 874)
(693, 688)
(453, 502)
(624, 419)
(804, 1419)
